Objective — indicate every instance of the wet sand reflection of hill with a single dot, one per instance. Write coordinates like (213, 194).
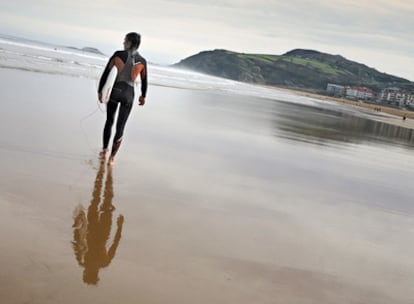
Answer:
(322, 126)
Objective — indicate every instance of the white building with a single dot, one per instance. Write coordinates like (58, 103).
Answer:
(359, 93)
(397, 96)
(335, 89)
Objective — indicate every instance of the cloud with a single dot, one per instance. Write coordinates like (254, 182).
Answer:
(179, 28)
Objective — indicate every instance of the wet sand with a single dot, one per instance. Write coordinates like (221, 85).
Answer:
(395, 115)
(212, 200)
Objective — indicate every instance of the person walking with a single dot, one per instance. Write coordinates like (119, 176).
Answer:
(130, 64)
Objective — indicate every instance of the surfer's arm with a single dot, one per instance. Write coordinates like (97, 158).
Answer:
(140, 69)
(117, 238)
(144, 80)
(144, 84)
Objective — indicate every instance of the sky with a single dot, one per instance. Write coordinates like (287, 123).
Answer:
(377, 33)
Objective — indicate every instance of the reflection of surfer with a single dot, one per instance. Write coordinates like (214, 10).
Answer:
(91, 232)
(130, 64)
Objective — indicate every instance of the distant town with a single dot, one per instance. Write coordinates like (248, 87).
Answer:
(392, 96)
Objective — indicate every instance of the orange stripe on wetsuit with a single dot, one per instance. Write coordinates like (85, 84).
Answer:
(138, 69)
(119, 59)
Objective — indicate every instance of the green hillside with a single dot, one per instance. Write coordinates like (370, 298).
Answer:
(298, 69)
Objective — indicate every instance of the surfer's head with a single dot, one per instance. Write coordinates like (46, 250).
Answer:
(132, 41)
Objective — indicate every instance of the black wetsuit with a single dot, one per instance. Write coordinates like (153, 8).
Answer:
(122, 93)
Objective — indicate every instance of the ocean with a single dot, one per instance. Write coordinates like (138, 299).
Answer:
(222, 192)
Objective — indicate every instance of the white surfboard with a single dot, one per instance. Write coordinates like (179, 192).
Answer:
(107, 88)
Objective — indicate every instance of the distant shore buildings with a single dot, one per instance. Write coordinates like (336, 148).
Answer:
(354, 92)
(397, 97)
(392, 96)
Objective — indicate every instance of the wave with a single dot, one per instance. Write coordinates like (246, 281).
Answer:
(28, 55)
(23, 54)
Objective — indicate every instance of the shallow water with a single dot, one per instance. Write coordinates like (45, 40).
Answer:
(215, 198)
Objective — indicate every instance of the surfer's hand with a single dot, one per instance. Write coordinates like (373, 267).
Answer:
(141, 100)
(100, 97)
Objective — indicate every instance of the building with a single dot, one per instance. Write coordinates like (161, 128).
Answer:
(388, 95)
(335, 89)
(359, 93)
(397, 96)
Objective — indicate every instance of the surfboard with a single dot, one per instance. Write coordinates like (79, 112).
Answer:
(107, 88)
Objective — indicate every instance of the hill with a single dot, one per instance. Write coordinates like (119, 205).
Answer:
(87, 49)
(298, 69)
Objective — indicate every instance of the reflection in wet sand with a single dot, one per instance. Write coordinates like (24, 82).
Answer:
(321, 126)
(91, 232)
(222, 209)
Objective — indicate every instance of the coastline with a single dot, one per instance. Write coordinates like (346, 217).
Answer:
(395, 117)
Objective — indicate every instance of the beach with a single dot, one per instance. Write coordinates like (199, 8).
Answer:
(222, 192)
(395, 114)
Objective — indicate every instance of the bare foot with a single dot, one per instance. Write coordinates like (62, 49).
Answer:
(111, 161)
(102, 154)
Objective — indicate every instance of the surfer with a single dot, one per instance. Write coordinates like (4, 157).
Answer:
(130, 65)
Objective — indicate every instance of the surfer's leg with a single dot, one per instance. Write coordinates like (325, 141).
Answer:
(110, 117)
(102, 154)
(115, 148)
(124, 111)
(123, 115)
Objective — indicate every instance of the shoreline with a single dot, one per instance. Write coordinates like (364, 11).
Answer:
(396, 114)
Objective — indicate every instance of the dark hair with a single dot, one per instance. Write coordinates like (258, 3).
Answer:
(134, 38)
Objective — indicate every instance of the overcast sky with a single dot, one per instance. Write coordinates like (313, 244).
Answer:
(378, 33)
